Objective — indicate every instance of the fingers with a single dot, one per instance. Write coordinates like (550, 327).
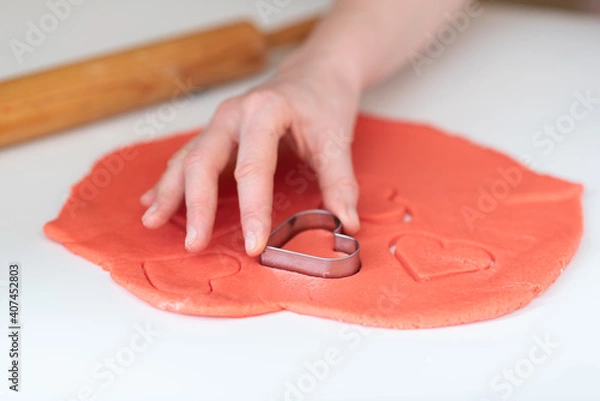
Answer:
(256, 123)
(148, 197)
(338, 183)
(165, 198)
(202, 167)
(267, 118)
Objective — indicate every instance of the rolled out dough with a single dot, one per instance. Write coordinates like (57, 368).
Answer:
(451, 233)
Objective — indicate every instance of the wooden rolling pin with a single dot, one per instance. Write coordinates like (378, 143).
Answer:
(54, 100)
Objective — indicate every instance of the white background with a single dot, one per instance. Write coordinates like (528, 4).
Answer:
(513, 71)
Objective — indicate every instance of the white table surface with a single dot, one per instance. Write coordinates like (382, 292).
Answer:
(513, 71)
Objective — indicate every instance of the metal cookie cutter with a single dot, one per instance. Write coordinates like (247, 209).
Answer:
(275, 256)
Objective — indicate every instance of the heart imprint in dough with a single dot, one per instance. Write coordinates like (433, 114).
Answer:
(380, 202)
(191, 275)
(427, 257)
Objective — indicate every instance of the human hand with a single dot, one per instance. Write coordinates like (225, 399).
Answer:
(310, 101)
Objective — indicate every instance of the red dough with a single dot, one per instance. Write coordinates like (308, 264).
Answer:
(451, 233)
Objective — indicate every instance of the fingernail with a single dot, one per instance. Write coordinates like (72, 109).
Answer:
(250, 240)
(150, 211)
(191, 236)
(353, 214)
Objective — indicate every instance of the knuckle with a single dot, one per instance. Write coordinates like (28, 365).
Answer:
(259, 98)
(346, 184)
(199, 208)
(200, 158)
(163, 195)
(254, 218)
(167, 188)
(226, 107)
(177, 158)
(248, 169)
(161, 188)
(195, 205)
(193, 158)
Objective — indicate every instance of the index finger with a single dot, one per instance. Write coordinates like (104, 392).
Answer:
(261, 130)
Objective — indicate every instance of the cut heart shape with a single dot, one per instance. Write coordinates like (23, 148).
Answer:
(427, 257)
(380, 201)
(336, 267)
(190, 275)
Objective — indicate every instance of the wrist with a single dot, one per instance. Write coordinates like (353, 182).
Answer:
(324, 64)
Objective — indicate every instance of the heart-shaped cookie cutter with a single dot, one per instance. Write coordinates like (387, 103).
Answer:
(279, 258)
